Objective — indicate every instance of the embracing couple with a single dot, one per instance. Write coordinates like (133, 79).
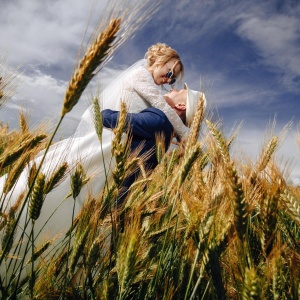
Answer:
(168, 114)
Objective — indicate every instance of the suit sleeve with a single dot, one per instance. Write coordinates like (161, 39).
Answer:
(144, 124)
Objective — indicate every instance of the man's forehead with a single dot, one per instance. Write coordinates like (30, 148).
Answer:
(183, 93)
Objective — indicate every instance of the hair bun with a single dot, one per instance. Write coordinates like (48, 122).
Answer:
(159, 54)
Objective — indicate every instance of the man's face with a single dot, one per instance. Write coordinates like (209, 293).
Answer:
(175, 97)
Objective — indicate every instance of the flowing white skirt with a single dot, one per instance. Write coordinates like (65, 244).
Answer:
(83, 147)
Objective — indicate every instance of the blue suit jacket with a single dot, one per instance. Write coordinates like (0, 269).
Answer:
(144, 127)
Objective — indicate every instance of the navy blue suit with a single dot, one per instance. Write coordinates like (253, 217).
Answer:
(144, 127)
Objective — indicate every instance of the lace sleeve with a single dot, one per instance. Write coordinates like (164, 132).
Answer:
(143, 84)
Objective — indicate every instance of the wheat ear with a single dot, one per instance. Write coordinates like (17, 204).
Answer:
(92, 59)
(8, 237)
(240, 206)
(292, 204)
(189, 159)
(267, 154)
(23, 123)
(56, 177)
(77, 180)
(15, 172)
(269, 216)
(98, 122)
(37, 253)
(251, 289)
(126, 258)
(13, 155)
(221, 143)
(159, 152)
(94, 253)
(37, 197)
(77, 250)
(195, 128)
(32, 174)
(119, 150)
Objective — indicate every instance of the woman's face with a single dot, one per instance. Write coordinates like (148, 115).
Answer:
(159, 74)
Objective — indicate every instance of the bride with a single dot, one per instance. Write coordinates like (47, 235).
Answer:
(138, 87)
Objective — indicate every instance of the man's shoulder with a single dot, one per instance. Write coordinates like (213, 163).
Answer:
(154, 110)
(157, 119)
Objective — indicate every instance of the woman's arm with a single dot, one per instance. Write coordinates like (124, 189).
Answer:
(143, 83)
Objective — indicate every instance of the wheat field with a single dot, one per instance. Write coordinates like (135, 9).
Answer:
(203, 225)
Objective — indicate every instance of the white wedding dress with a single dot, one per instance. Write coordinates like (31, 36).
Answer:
(136, 87)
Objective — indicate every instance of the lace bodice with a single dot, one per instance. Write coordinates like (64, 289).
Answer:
(140, 92)
(137, 88)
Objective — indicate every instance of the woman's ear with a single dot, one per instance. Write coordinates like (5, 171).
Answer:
(180, 106)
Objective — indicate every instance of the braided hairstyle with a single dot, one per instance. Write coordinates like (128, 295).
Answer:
(159, 54)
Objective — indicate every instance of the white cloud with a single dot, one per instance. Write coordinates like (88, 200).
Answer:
(276, 39)
(50, 33)
(44, 31)
(251, 141)
(40, 95)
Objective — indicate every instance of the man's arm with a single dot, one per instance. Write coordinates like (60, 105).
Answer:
(144, 124)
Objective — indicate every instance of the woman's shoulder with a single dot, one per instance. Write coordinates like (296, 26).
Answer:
(139, 74)
(142, 69)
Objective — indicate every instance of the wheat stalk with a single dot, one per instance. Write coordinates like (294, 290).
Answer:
(93, 57)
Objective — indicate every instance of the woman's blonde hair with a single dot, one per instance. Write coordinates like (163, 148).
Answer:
(159, 54)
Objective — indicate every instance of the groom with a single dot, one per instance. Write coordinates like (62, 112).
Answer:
(146, 125)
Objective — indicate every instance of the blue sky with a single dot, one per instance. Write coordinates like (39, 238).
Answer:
(245, 54)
